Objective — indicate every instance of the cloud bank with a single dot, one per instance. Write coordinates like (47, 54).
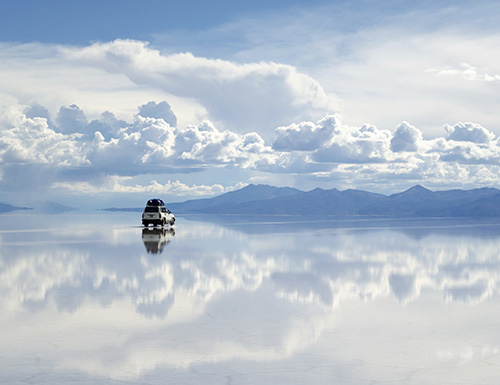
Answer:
(201, 116)
(106, 154)
(241, 97)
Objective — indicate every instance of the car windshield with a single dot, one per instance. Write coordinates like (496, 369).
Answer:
(151, 209)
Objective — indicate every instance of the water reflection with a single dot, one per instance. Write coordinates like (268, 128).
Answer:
(156, 238)
(112, 302)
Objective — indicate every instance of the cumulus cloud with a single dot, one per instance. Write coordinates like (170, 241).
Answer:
(204, 144)
(36, 110)
(120, 184)
(328, 141)
(107, 124)
(365, 144)
(160, 110)
(469, 132)
(241, 97)
(75, 155)
(147, 141)
(32, 153)
(86, 152)
(31, 140)
(71, 119)
(406, 138)
(305, 136)
(471, 153)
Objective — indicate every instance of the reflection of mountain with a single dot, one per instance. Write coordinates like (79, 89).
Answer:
(155, 238)
(417, 228)
(6, 208)
(49, 207)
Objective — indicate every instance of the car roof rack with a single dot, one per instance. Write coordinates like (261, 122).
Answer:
(155, 202)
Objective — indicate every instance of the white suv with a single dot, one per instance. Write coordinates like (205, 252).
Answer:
(156, 214)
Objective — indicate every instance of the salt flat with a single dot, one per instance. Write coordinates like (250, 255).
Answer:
(228, 300)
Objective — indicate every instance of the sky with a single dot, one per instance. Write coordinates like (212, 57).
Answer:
(117, 101)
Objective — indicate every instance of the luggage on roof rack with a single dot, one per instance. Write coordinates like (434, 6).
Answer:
(155, 202)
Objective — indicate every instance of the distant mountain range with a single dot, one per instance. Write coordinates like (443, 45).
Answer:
(417, 201)
(414, 202)
(47, 207)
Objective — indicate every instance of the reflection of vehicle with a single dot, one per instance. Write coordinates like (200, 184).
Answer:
(155, 239)
(155, 213)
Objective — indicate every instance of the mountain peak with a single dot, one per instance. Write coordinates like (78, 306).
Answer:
(252, 186)
(418, 188)
(414, 192)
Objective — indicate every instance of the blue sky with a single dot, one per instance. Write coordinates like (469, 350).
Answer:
(82, 22)
(128, 99)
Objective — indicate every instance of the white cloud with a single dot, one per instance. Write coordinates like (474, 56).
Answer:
(30, 140)
(406, 138)
(383, 65)
(471, 153)
(160, 110)
(71, 119)
(147, 142)
(240, 97)
(204, 144)
(365, 144)
(118, 184)
(107, 124)
(102, 156)
(27, 71)
(70, 150)
(305, 136)
(467, 71)
(469, 132)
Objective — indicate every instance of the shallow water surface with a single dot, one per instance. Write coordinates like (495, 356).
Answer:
(227, 300)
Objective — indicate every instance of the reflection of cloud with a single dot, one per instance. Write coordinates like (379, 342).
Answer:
(28, 279)
(470, 292)
(217, 294)
(403, 286)
(375, 267)
(303, 287)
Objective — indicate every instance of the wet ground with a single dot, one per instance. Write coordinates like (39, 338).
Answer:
(97, 299)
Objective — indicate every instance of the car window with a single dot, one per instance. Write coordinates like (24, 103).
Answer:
(151, 209)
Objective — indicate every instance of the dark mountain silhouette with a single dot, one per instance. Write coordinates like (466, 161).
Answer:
(486, 207)
(315, 202)
(417, 201)
(221, 203)
(403, 203)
